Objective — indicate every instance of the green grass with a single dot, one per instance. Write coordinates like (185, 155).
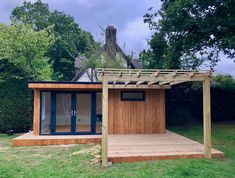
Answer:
(80, 160)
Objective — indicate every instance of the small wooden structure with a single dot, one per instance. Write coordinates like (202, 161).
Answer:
(127, 103)
(153, 78)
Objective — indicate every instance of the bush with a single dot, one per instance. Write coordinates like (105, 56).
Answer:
(15, 99)
(179, 116)
(184, 103)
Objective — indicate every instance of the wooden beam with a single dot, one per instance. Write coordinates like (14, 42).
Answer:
(131, 86)
(36, 112)
(177, 82)
(173, 74)
(152, 82)
(138, 74)
(191, 74)
(140, 82)
(155, 74)
(126, 83)
(150, 75)
(163, 83)
(66, 86)
(105, 121)
(207, 117)
(160, 78)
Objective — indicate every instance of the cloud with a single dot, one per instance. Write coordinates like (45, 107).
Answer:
(125, 15)
(226, 66)
(134, 36)
(6, 6)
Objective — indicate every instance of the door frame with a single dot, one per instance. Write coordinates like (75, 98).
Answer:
(93, 113)
(73, 117)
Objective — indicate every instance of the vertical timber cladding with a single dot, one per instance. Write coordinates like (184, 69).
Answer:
(137, 117)
(36, 112)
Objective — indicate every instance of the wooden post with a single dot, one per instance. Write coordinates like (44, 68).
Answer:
(36, 112)
(207, 117)
(104, 121)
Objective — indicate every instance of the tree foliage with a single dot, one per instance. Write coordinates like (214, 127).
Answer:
(25, 48)
(100, 59)
(16, 98)
(226, 82)
(22, 58)
(190, 32)
(71, 40)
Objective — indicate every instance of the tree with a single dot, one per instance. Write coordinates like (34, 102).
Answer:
(161, 54)
(25, 48)
(36, 14)
(22, 58)
(71, 40)
(194, 31)
(226, 82)
(16, 98)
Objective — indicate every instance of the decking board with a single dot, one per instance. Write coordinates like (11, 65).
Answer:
(130, 147)
(29, 139)
(143, 147)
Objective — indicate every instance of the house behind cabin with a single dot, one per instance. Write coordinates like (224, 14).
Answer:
(111, 50)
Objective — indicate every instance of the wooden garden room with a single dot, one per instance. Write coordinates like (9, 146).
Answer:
(125, 112)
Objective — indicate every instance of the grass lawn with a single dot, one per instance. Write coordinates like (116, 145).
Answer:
(80, 160)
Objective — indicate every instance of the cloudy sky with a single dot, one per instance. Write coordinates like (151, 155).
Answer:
(125, 15)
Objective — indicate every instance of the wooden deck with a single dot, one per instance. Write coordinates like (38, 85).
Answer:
(142, 147)
(29, 139)
(128, 147)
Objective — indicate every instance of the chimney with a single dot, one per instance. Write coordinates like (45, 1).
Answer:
(110, 39)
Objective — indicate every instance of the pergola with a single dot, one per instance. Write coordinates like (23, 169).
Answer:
(153, 79)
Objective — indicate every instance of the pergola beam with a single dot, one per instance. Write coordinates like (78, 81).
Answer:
(155, 74)
(191, 74)
(132, 86)
(176, 82)
(152, 82)
(151, 75)
(139, 82)
(145, 78)
(138, 74)
(127, 82)
(120, 74)
(163, 83)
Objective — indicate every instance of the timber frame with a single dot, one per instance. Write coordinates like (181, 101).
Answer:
(153, 79)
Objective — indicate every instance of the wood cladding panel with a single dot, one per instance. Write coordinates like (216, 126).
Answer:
(36, 112)
(64, 86)
(137, 117)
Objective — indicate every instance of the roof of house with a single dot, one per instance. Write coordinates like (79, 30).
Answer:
(111, 48)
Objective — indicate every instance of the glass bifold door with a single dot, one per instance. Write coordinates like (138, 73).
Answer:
(70, 113)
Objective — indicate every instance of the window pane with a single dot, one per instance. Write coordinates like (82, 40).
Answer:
(98, 112)
(63, 112)
(132, 96)
(83, 116)
(45, 112)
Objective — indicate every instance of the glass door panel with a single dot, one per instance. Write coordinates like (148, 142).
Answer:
(63, 113)
(98, 112)
(83, 112)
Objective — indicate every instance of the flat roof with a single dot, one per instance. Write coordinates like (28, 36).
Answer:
(69, 85)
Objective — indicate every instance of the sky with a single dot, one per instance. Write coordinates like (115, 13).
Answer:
(125, 15)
